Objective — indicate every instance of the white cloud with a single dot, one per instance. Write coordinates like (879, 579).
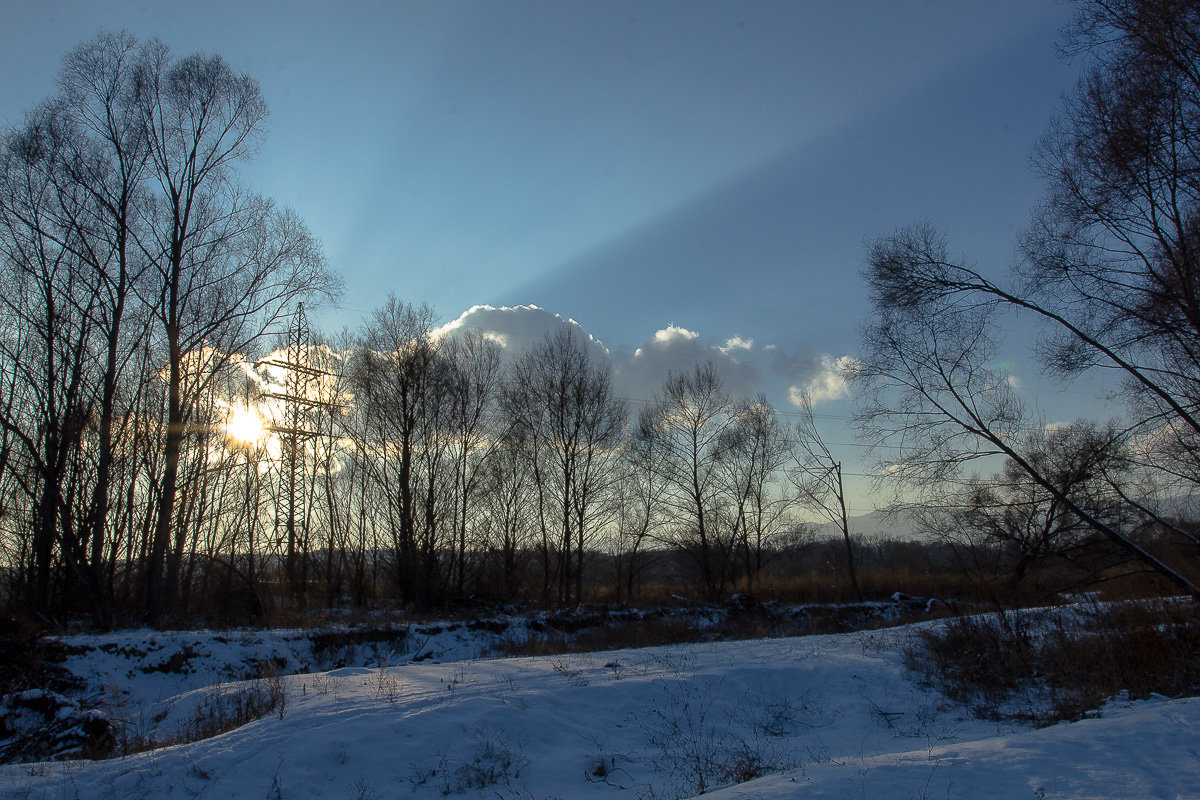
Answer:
(1150, 443)
(673, 333)
(737, 343)
(640, 375)
(499, 338)
(827, 383)
(670, 336)
(747, 368)
(515, 328)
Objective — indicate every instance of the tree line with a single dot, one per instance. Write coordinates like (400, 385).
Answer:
(135, 267)
(151, 300)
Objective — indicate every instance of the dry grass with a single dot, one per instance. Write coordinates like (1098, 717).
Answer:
(645, 633)
(1063, 664)
(826, 586)
(218, 712)
(617, 629)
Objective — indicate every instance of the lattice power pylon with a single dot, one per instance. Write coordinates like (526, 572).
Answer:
(301, 395)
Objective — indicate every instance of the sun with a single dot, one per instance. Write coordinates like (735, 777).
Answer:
(245, 425)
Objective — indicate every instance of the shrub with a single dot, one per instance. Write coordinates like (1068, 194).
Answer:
(1062, 664)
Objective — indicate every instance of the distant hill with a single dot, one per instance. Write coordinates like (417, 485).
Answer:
(876, 525)
(884, 525)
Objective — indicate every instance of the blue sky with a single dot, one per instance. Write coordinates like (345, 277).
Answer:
(635, 166)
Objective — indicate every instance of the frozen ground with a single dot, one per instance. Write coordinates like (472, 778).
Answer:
(816, 717)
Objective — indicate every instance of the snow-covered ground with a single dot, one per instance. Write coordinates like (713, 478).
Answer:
(832, 716)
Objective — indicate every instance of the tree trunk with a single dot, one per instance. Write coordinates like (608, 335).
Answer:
(155, 591)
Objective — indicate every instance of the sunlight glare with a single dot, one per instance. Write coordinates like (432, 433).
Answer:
(245, 425)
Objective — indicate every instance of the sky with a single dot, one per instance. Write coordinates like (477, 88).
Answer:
(686, 180)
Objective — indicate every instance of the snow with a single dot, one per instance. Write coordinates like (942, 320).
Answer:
(837, 716)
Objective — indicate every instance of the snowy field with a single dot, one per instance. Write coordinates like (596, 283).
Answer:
(833, 716)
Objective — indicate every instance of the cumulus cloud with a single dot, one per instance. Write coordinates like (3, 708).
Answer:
(745, 367)
(640, 374)
(735, 343)
(515, 328)
(827, 382)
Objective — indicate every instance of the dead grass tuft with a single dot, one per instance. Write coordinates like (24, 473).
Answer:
(219, 712)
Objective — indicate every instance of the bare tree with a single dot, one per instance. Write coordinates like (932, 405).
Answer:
(229, 264)
(1110, 263)
(474, 397)
(394, 375)
(756, 447)
(639, 514)
(153, 262)
(817, 476)
(331, 406)
(508, 521)
(46, 344)
(685, 430)
(1026, 524)
(106, 156)
(562, 408)
(929, 395)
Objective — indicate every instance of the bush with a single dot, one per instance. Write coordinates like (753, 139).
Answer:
(1063, 664)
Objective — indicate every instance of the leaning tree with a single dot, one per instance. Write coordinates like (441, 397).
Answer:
(1110, 267)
